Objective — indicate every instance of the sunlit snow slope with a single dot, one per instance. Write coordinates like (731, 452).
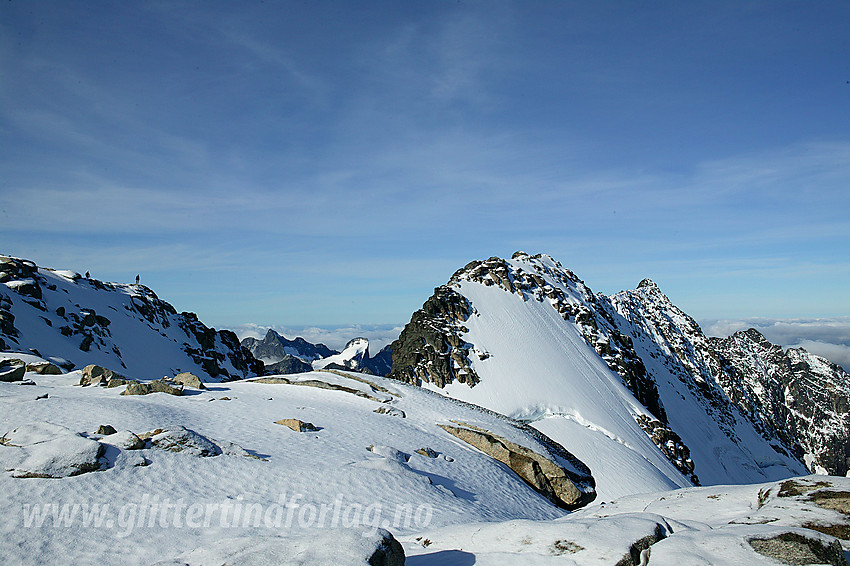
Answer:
(525, 337)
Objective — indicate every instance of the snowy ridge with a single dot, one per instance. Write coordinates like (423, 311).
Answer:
(602, 376)
(60, 314)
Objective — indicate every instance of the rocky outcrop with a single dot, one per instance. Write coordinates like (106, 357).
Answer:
(431, 347)
(800, 398)
(559, 485)
(183, 440)
(44, 368)
(798, 548)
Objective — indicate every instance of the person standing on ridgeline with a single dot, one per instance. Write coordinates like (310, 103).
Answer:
(137, 279)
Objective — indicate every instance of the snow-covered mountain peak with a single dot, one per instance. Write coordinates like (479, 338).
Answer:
(526, 337)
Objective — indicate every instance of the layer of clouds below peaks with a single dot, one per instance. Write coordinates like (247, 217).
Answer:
(826, 337)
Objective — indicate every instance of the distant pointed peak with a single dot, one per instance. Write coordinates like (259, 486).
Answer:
(647, 284)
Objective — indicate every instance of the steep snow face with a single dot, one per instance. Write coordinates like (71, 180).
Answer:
(527, 338)
(524, 355)
(796, 395)
(726, 446)
(126, 328)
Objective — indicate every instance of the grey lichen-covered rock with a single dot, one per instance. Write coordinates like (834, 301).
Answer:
(44, 368)
(797, 548)
(158, 386)
(297, 425)
(188, 379)
(98, 375)
(391, 411)
(182, 439)
(12, 370)
(559, 485)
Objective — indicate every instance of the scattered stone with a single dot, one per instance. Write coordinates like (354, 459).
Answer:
(41, 397)
(188, 379)
(297, 425)
(106, 430)
(391, 411)
(427, 452)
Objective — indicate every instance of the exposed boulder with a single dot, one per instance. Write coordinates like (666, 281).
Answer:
(98, 375)
(391, 411)
(158, 386)
(106, 430)
(182, 439)
(124, 439)
(12, 370)
(297, 425)
(794, 547)
(188, 379)
(542, 474)
(46, 450)
(44, 368)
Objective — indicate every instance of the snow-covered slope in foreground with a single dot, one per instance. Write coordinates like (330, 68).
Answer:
(225, 462)
(789, 522)
(525, 337)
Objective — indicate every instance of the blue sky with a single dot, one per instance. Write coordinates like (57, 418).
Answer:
(330, 163)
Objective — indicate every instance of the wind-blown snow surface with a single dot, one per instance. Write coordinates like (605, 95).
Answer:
(305, 469)
(534, 365)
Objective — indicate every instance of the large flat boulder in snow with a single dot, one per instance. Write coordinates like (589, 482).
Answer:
(46, 450)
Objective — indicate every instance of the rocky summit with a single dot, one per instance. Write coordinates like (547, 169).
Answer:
(520, 336)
